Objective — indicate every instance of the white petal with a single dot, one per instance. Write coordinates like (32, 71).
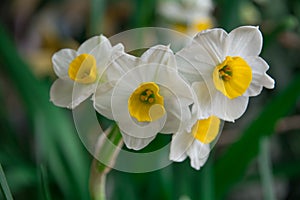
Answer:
(61, 61)
(213, 102)
(170, 79)
(102, 99)
(66, 93)
(61, 93)
(268, 82)
(178, 97)
(228, 109)
(206, 48)
(81, 92)
(257, 64)
(159, 54)
(90, 44)
(195, 113)
(135, 143)
(259, 76)
(213, 42)
(254, 89)
(244, 41)
(117, 48)
(120, 65)
(204, 94)
(189, 72)
(178, 116)
(198, 153)
(103, 53)
(180, 144)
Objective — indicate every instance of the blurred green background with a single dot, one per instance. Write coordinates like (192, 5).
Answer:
(41, 155)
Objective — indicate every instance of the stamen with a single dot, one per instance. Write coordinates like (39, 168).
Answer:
(145, 103)
(232, 77)
(225, 73)
(151, 100)
(147, 96)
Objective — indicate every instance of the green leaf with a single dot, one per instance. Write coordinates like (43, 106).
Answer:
(231, 166)
(44, 183)
(4, 186)
(61, 148)
(265, 169)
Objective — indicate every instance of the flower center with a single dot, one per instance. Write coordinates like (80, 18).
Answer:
(206, 130)
(83, 69)
(203, 24)
(232, 77)
(147, 96)
(225, 73)
(145, 103)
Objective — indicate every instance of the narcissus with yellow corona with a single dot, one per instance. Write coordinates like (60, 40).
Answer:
(147, 96)
(225, 70)
(81, 70)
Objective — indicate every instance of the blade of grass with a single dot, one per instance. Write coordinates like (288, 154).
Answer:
(231, 166)
(21, 175)
(60, 131)
(7, 131)
(265, 169)
(286, 170)
(50, 156)
(4, 186)
(45, 192)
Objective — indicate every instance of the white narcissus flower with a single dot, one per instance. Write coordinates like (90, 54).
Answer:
(225, 70)
(188, 16)
(145, 96)
(196, 142)
(186, 10)
(83, 68)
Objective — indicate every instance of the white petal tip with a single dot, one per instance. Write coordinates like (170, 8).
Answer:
(136, 143)
(271, 85)
(196, 167)
(268, 82)
(175, 158)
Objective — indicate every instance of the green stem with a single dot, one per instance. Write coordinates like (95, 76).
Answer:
(97, 183)
(100, 169)
(265, 169)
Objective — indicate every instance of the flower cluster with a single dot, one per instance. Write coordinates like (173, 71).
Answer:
(189, 93)
(187, 16)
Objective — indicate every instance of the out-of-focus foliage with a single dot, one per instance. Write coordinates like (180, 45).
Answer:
(42, 156)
